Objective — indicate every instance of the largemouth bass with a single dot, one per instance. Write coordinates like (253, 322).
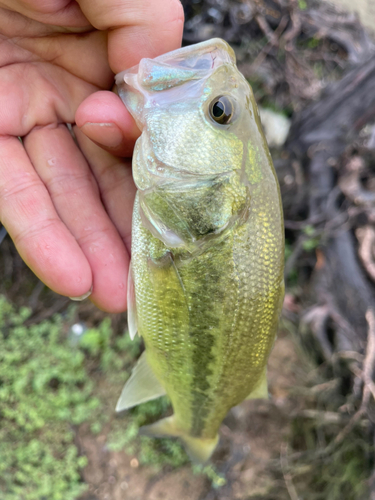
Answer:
(206, 280)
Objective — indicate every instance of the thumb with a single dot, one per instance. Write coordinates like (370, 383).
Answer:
(103, 118)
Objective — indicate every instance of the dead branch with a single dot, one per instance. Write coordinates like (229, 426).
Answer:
(323, 130)
(366, 251)
(286, 473)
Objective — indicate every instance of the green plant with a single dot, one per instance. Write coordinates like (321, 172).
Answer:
(111, 352)
(312, 238)
(217, 480)
(156, 452)
(313, 43)
(46, 392)
(343, 473)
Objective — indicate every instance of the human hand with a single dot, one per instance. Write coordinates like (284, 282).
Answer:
(66, 205)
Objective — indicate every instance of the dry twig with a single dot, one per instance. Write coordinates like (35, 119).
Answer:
(366, 251)
(368, 383)
(286, 473)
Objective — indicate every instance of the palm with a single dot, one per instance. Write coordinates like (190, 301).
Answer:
(57, 193)
(67, 204)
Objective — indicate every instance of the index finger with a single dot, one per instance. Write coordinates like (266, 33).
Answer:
(142, 28)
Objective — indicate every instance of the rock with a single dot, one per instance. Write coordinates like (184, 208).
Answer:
(276, 127)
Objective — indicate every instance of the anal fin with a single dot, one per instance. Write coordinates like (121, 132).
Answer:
(260, 391)
(142, 386)
(132, 309)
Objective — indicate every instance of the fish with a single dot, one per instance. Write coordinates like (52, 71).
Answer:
(206, 282)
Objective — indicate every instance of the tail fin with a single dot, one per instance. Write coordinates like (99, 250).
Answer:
(198, 449)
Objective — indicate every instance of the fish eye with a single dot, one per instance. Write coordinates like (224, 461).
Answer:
(221, 109)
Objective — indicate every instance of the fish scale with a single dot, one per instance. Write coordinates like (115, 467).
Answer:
(207, 242)
(195, 158)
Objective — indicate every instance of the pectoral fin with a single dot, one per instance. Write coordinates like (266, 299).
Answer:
(260, 391)
(199, 449)
(142, 386)
(132, 309)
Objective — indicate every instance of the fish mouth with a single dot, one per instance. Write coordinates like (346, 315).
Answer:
(178, 66)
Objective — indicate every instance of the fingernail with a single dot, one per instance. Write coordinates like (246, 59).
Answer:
(82, 297)
(107, 134)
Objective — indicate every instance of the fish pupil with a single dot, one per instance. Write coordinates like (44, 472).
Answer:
(221, 110)
(218, 109)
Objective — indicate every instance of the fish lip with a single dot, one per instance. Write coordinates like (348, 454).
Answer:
(225, 53)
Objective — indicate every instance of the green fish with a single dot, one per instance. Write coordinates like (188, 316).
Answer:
(206, 280)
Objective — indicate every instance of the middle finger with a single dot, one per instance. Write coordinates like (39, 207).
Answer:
(115, 181)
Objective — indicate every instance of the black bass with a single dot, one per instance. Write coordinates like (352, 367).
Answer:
(206, 280)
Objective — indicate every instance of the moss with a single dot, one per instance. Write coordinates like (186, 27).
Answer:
(46, 392)
(150, 451)
(337, 475)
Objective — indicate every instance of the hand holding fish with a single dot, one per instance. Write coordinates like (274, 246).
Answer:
(68, 208)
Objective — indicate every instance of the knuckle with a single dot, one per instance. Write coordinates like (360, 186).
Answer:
(17, 186)
(94, 237)
(34, 231)
(70, 185)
